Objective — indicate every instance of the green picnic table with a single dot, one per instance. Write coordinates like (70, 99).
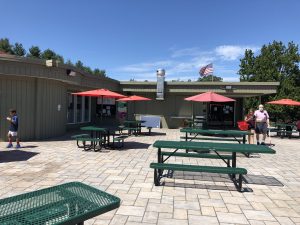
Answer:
(217, 148)
(284, 130)
(133, 125)
(99, 137)
(66, 204)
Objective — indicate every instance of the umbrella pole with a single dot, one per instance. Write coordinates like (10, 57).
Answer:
(101, 107)
(193, 111)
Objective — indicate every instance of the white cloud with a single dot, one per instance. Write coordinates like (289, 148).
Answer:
(185, 64)
(231, 79)
(232, 52)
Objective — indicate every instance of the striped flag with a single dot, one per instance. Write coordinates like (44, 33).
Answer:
(206, 70)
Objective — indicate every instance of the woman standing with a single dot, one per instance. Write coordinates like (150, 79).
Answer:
(249, 118)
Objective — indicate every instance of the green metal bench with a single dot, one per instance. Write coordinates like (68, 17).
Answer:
(159, 167)
(134, 130)
(212, 139)
(79, 136)
(66, 204)
(120, 139)
(95, 143)
(198, 155)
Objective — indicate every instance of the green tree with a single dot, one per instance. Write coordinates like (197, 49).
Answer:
(34, 52)
(210, 78)
(18, 49)
(247, 66)
(99, 72)
(79, 65)
(60, 58)
(69, 62)
(48, 54)
(5, 46)
(88, 69)
(275, 62)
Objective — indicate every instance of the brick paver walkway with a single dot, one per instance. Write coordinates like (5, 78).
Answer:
(199, 199)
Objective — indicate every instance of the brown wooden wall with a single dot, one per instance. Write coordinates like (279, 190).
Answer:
(36, 101)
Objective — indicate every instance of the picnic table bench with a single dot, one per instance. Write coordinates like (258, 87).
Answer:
(66, 204)
(99, 137)
(232, 169)
(229, 133)
(235, 134)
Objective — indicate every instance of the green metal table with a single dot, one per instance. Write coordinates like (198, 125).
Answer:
(66, 204)
(229, 133)
(211, 146)
(101, 133)
(134, 124)
(284, 130)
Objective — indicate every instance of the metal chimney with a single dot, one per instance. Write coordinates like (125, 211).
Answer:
(160, 88)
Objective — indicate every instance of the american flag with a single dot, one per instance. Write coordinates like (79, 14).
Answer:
(206, 70)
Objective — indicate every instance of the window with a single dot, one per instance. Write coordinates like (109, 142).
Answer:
(87, 109)
(79, 109)
(71, 112)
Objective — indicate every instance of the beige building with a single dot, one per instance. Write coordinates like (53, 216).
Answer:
(41, 93)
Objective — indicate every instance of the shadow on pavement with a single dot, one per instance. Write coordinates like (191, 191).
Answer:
(134, 145)
(16, 156)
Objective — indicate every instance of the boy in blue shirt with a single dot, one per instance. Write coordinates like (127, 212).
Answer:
(13, 128)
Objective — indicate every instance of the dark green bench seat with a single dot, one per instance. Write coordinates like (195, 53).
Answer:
(135, 130)
(95, 143)
(80, 136)
(159, 167)
(213, 139)
(120, 139)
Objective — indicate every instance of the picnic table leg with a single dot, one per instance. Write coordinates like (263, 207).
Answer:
(244, 139)
(233, 162)
(159, 159)
(186, 139)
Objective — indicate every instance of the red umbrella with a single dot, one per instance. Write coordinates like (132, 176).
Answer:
(285, 102)
(209, 97)
(103, 93)
(100, 93)
(133, 98)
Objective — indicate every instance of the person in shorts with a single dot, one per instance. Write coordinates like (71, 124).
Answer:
(261, 124)
(13, 128)
(249, 118)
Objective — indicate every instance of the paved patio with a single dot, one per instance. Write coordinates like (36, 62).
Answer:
(200, 199)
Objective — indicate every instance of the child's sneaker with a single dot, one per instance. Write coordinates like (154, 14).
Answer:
(10, 145)
(18, 146)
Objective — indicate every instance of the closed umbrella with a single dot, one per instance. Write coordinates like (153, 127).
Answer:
(103, 93)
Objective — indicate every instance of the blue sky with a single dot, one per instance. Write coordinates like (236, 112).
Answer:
(133, 38)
